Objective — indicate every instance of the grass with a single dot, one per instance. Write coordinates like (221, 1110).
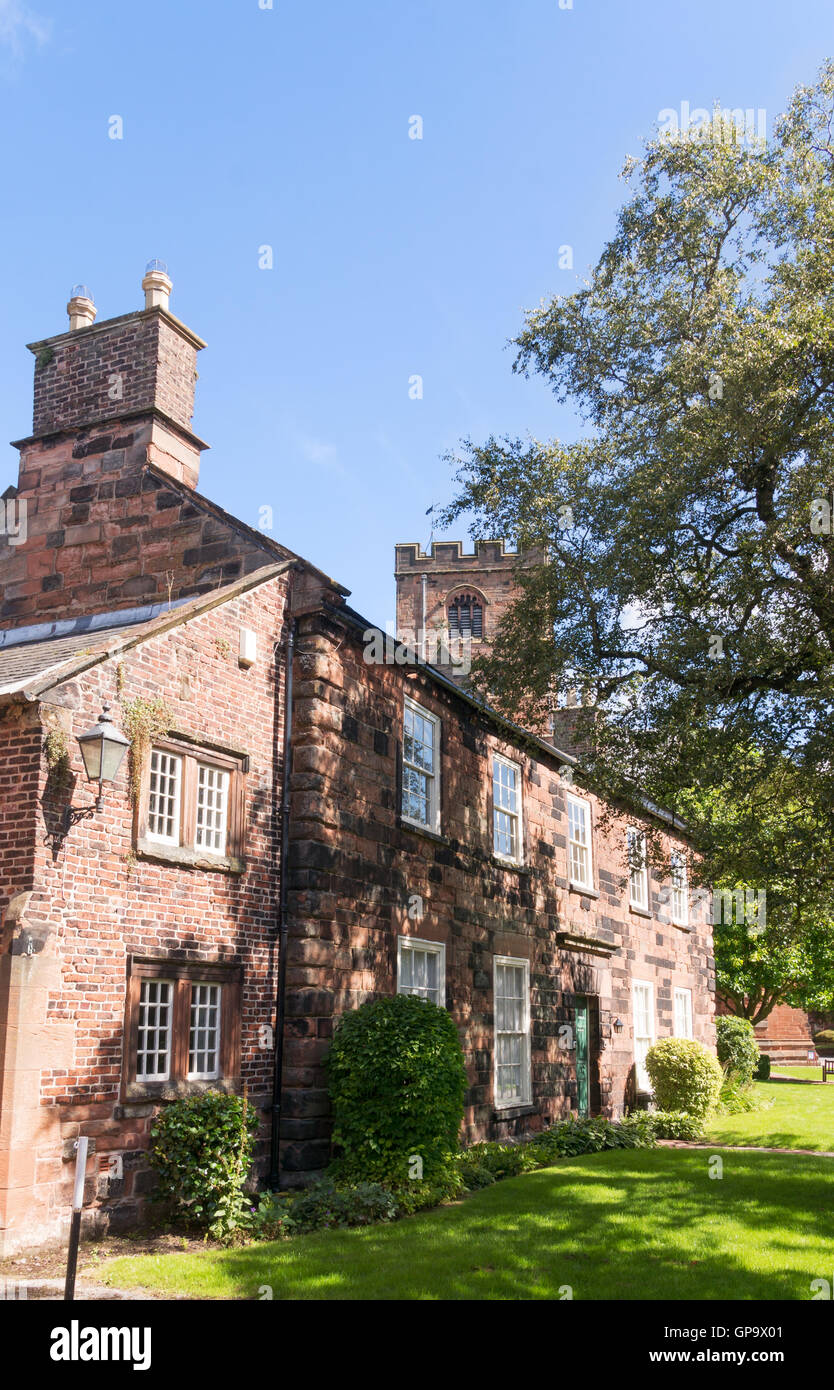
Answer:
(802, 1073)
(801, 1117)
(634, 1224)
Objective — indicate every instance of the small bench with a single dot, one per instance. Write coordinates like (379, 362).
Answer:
(827, 1067)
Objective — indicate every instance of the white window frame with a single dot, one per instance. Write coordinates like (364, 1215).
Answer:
(588, 846)
(223, 786)
(215, 1071)
(498, 760)
(407, 944)
(433, 821)
(683, 996)
(517, 962)
(643, 1082)
(680, 889)
(142, 1033)
(637, 877)
(154, 835)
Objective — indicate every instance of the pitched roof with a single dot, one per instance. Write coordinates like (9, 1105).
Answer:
(34, 659)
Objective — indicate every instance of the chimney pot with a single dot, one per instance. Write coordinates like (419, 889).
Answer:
(81, 309)
(157, 285)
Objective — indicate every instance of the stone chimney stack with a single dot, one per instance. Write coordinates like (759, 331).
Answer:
(128, 377)
(110, 466)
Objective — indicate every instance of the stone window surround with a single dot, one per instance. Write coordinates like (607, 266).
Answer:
(182, 975)
(187, 853)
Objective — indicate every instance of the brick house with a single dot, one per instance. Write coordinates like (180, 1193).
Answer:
(306, 821)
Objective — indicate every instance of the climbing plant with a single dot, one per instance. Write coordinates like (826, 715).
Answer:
(144, 720)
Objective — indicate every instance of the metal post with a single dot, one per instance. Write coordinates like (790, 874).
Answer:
(75, 1225)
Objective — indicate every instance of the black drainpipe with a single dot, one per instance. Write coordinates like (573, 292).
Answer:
(275, 1163)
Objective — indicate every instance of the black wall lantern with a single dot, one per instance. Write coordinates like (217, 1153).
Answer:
(103, 747)
(617, 1025)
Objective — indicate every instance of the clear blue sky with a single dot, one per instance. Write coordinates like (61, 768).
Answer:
(392, 257)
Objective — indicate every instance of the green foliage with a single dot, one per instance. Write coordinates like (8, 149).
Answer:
(684, 1076)
(201, 1150)
(824, 1042)
(565, 1139)
(325, 1206)
(763, 1067)
(475, 1175)
(700, 498)
(738, 1051)
(740, 1098)
(56, 752)
(676, 1124)
(501, 1160)
(144, 719)
(446, 1186)
(397, 1083)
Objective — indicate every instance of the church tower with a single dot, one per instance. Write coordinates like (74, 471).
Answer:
(449, 591)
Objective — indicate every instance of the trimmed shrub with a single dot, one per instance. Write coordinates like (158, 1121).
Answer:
(824, 1042)
(684, 1076)
(397, 1083)
(763, 1068)
(201, 1150)
(676, 1124)
(738, 1051)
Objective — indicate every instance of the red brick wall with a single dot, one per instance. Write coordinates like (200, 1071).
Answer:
(154, 359)
(92, 906)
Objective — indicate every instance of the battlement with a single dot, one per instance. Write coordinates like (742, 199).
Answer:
(441, 554)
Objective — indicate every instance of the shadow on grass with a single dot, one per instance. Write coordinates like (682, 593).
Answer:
(633, 1225)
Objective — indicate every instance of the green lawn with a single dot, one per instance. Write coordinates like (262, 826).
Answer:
(639, 1224)
(802, 1117)
(802, 1073)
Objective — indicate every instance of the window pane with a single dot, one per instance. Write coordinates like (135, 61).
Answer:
(204, 1034)
(579, 841)
(153, 1049)
(418, 772)
(212, 808)
(638, 869)
(164, 796)
(505, 809)
(420, 972)
(512, 1073)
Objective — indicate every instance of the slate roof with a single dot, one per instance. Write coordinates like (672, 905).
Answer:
(22, 663)
(34, 659)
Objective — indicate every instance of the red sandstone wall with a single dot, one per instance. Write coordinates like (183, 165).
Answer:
(354, 868)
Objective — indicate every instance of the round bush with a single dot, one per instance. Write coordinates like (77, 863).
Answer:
(684, 1076)
(201, 1149)
(397, 1083)
(763, 1069)
(824, 1042)
(738, 1051)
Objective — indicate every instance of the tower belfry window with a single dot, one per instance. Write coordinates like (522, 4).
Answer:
(466, 616)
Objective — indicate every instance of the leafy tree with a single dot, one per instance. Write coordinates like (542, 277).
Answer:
(686, 580)
(756, 971)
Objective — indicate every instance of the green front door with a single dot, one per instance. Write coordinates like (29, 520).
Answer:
(583, 1078)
